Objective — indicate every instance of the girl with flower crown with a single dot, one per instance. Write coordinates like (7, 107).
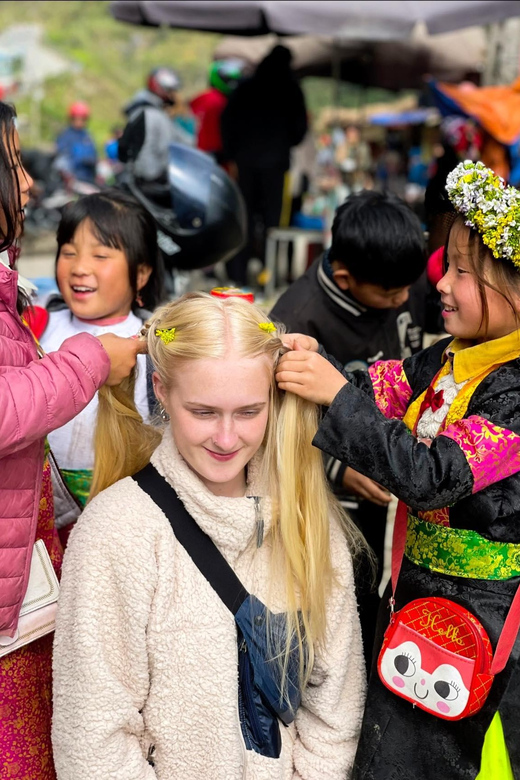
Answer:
(147, 677)
(441, 430)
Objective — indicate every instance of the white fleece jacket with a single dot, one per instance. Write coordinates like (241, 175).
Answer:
(145, 653)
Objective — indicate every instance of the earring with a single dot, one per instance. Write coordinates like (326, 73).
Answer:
(163, 414)
(139, 300)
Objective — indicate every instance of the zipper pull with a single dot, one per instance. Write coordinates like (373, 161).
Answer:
(151, 755)
(259, 522)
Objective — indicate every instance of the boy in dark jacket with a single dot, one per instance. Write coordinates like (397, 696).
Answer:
(365, 300)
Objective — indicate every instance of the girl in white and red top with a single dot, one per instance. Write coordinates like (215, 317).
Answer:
(107, 268)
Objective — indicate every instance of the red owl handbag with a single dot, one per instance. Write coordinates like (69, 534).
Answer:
(435, 653)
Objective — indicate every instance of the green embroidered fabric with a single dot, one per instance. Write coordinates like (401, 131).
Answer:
(78, 482)
(460, 552)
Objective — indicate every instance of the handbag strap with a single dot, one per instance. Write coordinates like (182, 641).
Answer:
(199, 546)
(508, 635)
(511, 625)
(398, 542)
(58, 477)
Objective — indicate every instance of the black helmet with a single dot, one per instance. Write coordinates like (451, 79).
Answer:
(162, 82)
(199, 211)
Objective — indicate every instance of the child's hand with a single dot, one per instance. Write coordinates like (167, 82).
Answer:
(310, 376)
(364, 487)
(123, 355)
(290, 341)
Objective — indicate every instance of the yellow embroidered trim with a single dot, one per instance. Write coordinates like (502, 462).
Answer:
(459, 406)
(472, 359)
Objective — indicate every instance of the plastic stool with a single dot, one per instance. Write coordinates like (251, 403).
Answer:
(276, 253)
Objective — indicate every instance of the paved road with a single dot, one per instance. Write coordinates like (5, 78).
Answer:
(36, 266)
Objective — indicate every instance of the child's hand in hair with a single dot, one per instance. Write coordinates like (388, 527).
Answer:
(123, 355)
(290, 340)
(364, 487)
(309, 375)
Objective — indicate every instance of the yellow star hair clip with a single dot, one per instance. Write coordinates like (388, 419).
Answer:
(267, 327)
(167, 335)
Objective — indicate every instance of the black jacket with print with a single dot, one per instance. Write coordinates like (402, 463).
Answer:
(356, 335)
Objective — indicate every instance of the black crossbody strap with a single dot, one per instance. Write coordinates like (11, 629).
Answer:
(201, 549)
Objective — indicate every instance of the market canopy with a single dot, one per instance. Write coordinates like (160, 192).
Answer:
(391, 65)
(496, 109)
(351, 19)
(403, 111)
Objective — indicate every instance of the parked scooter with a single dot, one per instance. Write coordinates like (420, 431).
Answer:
(53, 188)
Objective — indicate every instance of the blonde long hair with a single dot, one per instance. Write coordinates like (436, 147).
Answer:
(292, 469)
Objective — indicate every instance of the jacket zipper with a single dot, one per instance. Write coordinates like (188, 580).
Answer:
(242, 716)
(256, 726)
(241, 738)
(259, 522)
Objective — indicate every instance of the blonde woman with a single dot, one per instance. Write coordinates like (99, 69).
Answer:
(146, 656)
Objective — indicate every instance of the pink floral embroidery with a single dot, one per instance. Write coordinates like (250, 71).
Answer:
(492, 452)
(391, 389)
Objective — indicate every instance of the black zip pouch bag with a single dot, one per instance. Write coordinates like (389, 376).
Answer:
(261, 703)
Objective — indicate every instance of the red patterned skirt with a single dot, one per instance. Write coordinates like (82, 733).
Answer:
(26, 681)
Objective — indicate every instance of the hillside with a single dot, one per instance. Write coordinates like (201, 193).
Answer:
(111, 60)
(114, 59)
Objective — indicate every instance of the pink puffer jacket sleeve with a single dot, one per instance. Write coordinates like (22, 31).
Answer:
(47, 393)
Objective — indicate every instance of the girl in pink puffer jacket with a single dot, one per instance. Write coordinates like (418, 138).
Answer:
(37, 395)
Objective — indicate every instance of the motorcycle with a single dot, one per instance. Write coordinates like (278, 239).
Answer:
(53, 188)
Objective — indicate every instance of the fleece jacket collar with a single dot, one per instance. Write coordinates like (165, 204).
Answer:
(230, 522)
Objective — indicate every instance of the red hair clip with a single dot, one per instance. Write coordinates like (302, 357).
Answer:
(232, 292)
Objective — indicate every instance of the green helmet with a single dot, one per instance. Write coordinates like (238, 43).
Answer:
(224, 75)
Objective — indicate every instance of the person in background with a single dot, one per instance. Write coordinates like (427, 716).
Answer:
(460, 139)
(364, 300)
(354, 159)
(75, 147)
(224, 77)
(108, 271)
(111, 146)
(38, 393)
(150, 130)
(264, 119)
(110, 167)
(304, 169)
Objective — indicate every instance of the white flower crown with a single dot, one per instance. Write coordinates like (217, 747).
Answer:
(489, 206)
